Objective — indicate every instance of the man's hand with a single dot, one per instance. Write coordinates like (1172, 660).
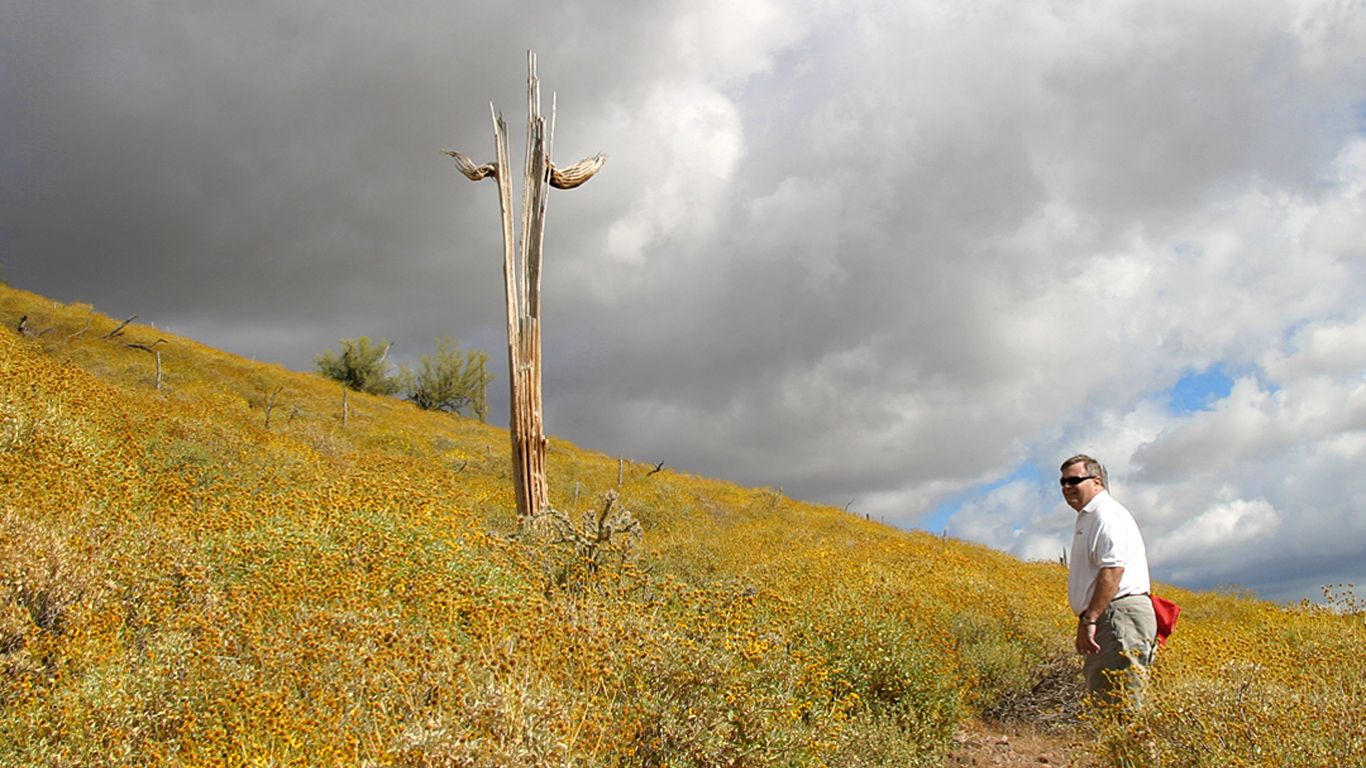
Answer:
(1086, 639)
(1107, 583)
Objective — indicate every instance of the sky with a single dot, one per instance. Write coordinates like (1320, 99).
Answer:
(901, 257)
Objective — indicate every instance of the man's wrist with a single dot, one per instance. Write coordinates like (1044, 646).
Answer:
(1088, 622)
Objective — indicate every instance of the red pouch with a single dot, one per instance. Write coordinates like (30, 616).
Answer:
(1166, 611)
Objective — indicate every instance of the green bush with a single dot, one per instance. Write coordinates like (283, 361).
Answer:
(452, 380)
(362, 365)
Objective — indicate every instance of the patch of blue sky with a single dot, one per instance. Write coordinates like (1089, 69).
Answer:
(1199, 391)
(939, 518)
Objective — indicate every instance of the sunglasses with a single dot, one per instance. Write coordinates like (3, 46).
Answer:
(1075, 481)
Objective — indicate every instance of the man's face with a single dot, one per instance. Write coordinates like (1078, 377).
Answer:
(1079, 494)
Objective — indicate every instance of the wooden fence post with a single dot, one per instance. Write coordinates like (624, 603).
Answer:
(522, 282)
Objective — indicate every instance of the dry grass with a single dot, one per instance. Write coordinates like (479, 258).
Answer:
(181, 585)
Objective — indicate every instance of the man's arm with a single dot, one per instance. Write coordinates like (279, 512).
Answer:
(1107, 584)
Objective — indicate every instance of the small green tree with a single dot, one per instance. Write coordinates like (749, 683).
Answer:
(452, 380)
(361, 365)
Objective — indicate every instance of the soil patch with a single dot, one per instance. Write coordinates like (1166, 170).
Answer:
(1014, 746)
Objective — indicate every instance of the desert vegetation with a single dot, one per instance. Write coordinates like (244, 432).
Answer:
(452, 379)
(207, 561)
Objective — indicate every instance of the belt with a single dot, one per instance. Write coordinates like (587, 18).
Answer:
(1135, 594)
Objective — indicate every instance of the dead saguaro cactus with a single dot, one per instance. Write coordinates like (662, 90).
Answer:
(522, 277)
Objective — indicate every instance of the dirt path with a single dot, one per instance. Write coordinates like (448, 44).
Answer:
(988, 744)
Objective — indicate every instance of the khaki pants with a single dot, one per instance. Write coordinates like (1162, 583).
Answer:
(1127, 635)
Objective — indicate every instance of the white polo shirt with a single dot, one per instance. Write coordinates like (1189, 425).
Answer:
(1105, 536)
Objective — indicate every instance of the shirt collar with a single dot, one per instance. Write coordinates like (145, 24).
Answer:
(1094, 502)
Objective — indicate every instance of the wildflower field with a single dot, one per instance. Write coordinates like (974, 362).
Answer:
(206, 561)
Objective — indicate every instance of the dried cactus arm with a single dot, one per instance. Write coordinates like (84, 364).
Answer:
(576, 174)
(472, 172)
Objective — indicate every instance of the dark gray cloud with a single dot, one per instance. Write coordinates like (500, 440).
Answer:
(887, 253)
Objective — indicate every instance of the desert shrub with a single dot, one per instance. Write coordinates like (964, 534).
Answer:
(730, 681)
(905, 677)
(361, 365)
(1052, 701)
(451, 380)
(41, 576)
(589, 552)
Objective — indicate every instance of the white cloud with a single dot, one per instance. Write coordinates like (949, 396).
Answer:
(726, 41)
(1223, 526)
(693, 139)
(1327, 350)
(995, 519)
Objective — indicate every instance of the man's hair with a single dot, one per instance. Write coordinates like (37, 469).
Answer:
(1093, 468)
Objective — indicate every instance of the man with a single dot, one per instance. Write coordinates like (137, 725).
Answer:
(1107, 586)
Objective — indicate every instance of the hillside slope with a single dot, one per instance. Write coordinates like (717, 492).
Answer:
(219, 562)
